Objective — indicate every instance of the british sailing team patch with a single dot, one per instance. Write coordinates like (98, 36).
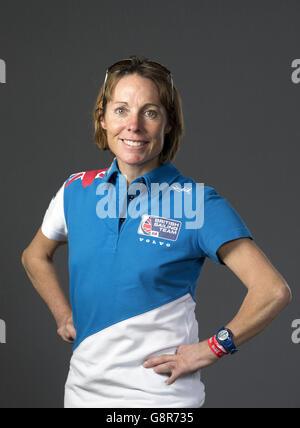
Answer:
(159, 227)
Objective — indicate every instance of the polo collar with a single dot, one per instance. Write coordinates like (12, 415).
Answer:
(112, 171)
(165, 173)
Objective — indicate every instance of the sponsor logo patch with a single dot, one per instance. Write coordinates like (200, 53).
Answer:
(159, 227)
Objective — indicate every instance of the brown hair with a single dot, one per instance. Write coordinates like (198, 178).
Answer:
(145, 68)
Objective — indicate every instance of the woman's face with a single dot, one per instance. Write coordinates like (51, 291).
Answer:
(135, 113)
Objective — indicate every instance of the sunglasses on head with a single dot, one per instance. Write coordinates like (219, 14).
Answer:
(125, 63)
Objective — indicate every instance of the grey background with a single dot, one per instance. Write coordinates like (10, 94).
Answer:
(231, 62)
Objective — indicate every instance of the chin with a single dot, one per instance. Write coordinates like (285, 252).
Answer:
(135, 159)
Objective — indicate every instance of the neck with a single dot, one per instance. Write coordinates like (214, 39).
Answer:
(133, 171)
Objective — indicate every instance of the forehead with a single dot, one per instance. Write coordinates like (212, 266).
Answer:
(136, 87)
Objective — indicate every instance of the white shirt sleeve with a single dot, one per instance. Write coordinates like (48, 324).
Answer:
(54, 222)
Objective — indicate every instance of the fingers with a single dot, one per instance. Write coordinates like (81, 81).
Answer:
(159, 360)
(171, 368)
(67, 333)
(172, 378)
(165, 364)
(165, 368)
(72, 332)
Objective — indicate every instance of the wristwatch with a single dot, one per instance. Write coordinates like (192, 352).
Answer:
(224, 338)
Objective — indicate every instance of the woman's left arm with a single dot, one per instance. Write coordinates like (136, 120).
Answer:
(268, 292)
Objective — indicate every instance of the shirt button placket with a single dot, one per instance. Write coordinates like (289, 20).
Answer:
(122, 219)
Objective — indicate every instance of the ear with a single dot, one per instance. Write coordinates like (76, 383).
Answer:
(168, 129)
(102, 121)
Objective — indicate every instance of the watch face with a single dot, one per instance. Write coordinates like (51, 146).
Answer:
(223, 335)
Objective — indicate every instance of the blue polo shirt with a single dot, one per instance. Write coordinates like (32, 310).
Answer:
(122, 269)
(117, 272)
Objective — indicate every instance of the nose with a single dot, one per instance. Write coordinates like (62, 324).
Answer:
(134, 122)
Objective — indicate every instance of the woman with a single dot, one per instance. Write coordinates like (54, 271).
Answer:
(133, 277)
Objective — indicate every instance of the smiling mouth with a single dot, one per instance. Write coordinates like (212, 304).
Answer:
(134, 143)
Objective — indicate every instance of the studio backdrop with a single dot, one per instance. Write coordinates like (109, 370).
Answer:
(236, 65)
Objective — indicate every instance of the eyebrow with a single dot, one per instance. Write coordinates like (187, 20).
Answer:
(146, 105)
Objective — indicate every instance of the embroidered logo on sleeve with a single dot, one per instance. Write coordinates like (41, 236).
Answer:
(159, 227)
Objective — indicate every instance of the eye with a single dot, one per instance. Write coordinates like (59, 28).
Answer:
(154, 113)
(119, 108)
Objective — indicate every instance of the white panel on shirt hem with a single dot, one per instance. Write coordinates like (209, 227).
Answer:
(106, 368)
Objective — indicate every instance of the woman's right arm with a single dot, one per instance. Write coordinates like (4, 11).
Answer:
(38, 263)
